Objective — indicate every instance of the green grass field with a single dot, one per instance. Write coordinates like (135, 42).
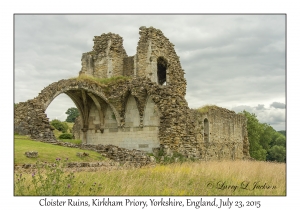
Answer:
(194, 178)
(48, 152)
(188, 178)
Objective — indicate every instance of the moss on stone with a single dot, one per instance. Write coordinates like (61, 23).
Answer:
(206, 108)
(102, 81)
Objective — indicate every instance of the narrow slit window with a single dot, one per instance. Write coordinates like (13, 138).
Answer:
(206, 130)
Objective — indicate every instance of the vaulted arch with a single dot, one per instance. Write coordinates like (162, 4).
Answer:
(84, 95)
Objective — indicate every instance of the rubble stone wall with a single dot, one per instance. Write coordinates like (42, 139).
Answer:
(30, 119)
(221, 133)
(106, 58)
(152, 45)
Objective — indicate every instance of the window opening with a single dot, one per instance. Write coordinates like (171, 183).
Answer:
(161, 70)
(206, 130)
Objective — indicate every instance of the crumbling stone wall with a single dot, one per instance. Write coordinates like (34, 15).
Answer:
(106, 58)
(221, 133)
(139, 112)
(155, 59)
(152, 47)
(30, 119)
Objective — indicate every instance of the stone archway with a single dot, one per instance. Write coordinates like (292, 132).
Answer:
(30, 118)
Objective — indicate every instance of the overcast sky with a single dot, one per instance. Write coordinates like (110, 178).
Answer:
(234, 61)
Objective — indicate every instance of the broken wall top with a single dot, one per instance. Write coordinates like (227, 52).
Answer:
(155, 59)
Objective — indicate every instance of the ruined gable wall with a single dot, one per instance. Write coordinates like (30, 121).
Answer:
(152, 45)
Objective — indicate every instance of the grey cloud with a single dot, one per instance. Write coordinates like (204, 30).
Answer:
(278, 105)
(275, 118)
(241, 108)
(260, 107)
(228, 59)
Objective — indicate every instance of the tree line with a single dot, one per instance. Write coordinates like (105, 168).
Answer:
(266, 144)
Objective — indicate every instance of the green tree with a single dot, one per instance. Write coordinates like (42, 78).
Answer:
(72, 113)
(266, 136)
(282, 132)
(265, 142)
(255, 131)
(278, 139)
(61, 126)
(277, 153)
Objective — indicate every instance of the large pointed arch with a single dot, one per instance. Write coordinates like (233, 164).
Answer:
(81, 93)
(84, 94)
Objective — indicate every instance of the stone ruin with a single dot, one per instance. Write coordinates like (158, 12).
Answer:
(142, 108)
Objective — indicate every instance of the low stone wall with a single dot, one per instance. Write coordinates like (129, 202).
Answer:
(88, 166)
(135, 157)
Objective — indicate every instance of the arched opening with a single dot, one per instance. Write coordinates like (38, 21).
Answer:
(162, 65)
(206, 130)
(57, 111)
(58, 107)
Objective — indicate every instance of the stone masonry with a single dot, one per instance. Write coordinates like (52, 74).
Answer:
(142, 107)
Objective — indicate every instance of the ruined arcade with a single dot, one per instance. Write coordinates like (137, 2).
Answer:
(141, 107)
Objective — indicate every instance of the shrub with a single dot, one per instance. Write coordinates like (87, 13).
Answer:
(66, 136)
(61, 126)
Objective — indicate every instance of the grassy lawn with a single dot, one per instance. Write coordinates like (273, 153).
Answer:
(48, 152)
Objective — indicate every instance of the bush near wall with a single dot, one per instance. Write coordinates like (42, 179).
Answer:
(66, 136)
(61, 126)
